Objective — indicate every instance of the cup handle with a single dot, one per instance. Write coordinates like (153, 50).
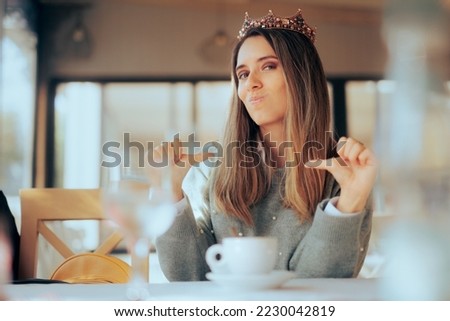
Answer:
(217, 265)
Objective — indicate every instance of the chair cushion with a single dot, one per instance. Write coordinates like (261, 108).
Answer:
(92, 268)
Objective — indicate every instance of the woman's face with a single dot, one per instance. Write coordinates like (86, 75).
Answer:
(261, 83)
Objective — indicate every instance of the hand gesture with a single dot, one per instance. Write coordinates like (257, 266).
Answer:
(174, 163)
(355, 170)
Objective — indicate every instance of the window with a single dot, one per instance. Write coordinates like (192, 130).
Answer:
(128, 118)
(17, 83)
(77, 135)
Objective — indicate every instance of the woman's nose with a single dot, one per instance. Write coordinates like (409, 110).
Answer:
(253, 81)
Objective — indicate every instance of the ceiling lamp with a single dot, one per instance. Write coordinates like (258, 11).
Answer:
(77, 41)
(216, 49)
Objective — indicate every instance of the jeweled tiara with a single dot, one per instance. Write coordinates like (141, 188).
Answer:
(270, 21)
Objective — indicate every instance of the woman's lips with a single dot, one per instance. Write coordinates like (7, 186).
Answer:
(256, 99)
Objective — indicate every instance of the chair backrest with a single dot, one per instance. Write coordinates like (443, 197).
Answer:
(42, 205)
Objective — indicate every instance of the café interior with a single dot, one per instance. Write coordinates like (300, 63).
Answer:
(77, 74)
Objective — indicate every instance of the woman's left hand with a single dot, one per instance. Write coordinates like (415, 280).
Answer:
(355, 170)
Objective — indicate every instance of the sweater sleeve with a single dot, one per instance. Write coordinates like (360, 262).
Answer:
(181, 250)
(334, 246)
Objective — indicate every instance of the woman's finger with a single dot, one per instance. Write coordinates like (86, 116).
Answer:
(349, 148)
(366, 157)
(352, 155)
(176, 145)
(330, 164)
(193, 159)
(342, 147)
(157, 153)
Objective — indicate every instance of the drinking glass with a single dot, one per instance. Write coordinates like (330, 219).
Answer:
(142, 207)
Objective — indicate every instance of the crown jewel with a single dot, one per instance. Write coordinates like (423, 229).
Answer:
(270, 21)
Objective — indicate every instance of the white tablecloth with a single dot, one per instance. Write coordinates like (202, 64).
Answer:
(293, 290)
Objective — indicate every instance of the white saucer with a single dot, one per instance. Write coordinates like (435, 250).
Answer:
(271, 280)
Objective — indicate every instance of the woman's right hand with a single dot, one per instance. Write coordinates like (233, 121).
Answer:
(175, 163)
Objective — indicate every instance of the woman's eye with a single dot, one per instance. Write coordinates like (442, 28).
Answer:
(242, 75)
(269, 67)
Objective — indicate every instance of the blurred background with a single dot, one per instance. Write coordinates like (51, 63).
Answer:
(76, 74)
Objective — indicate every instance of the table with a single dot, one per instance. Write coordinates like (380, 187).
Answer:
(293, 290)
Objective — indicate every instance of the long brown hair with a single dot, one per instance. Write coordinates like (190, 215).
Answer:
(242, 179)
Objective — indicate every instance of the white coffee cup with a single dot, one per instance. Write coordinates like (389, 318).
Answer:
(243, 255)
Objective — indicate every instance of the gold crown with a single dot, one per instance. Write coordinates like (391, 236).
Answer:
(270, 21)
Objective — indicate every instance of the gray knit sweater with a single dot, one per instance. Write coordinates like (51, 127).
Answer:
(327, 247)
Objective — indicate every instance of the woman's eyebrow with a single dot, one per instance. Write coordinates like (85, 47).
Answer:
(259, 60)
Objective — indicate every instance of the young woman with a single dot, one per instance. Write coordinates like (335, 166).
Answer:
(284, 176)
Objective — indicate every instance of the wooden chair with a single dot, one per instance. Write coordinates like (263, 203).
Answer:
(42, 205)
